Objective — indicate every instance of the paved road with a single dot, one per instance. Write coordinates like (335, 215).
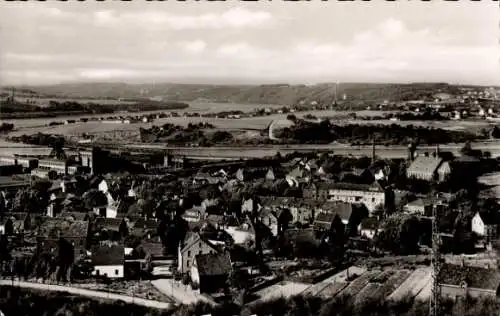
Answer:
(90, 293)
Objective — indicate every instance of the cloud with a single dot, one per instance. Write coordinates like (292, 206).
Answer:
(194, 47)
(116, 44)
(232, 18)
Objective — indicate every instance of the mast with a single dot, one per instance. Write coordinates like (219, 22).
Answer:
(435, 264)
(373, 149)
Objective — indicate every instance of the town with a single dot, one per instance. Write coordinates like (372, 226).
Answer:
(183, 231)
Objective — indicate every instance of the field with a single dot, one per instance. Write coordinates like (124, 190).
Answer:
(377, 284)
(40, 125)
(413, 285)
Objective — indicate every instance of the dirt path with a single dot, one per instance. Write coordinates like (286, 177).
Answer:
(89, 293)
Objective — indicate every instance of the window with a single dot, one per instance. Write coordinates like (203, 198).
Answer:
(189, 253)
(187, 263)
(97, 272)
(373, 200)
(200, 252)
(116, 272)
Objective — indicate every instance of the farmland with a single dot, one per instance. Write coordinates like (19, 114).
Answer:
(24, 126)
(377, 284)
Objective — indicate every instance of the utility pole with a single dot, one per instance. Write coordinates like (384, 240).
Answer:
(434, 307)
(373, 149)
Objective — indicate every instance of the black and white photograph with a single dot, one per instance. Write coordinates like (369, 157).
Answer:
(250, 158)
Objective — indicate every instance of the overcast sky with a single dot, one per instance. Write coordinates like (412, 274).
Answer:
(238, 42)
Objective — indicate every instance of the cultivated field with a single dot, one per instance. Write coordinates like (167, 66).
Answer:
(377, 284)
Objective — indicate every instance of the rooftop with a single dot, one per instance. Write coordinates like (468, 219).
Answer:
(213, 264)
(423, 164)
(108, 255)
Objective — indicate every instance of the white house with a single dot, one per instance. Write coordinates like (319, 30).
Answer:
(485, 225)
(109, 260)
(103, 186)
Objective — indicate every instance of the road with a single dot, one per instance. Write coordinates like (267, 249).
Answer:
(180, 292)
(89, 293)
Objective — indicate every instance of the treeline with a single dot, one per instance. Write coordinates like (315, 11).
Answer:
(40, 139)
(55, 108)
(6, 127)
(324, 132)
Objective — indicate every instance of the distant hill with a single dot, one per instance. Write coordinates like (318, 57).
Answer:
(255, 94)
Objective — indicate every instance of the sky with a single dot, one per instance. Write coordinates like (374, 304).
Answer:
(243, 42)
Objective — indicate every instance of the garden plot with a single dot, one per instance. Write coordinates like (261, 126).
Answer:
(282, 289)
(413, 285)
(339, 278)
(426, 291)
(332, 289)
(384, 284)
(359, 283)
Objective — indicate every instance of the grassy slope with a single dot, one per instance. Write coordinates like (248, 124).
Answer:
(263, 94)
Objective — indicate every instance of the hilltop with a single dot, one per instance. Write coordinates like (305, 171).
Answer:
(251, 94)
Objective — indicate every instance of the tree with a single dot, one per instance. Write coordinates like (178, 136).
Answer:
(400, 234)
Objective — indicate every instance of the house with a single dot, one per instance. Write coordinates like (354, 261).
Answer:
(458, 281)
(323, 221)
(111, 225)
(486, 224)
(429, 168)
(193, 245)
(211, 271)
(270, 176)
(369, 227)
(371, 196)
(310, 191)
(351, 215)
(109, 261)
(419, 206)
(269, 219)
(241, 233)
(295, 176)
(59, 166)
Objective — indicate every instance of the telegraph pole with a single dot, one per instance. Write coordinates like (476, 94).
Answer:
(434, 307)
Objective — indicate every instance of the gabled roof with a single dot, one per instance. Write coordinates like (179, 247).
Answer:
(374, 187)
(108, 255)
(81, 216)
(475, 277)
(108, 223)
(154, 249)
(323, 221)
(193, 239)
(213, 264)
(423, 164)
(63, 227)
